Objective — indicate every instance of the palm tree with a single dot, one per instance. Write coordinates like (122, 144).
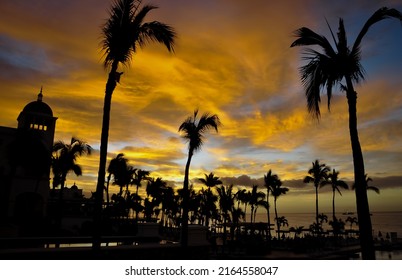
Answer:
(335, 184)
(277, 191)
(226, 204)
(243, 196)
(330, 68)
(269, 180)
(210, 181)
(64, 160)
(207, 204)
(139, 176)
(114, 166)
(352, 220)
(193, 130)
(318, 174)
(281, 221)
(297, 230)
(256, 199)
(369, 188)
(123, 33)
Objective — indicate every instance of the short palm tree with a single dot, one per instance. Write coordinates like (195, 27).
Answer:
(335, 183)
(369, 188)
(319, 173)
(256, 198)
(244, 196)
(277, 191)
(270, 179)
(352, 220)
(226, 204)
(115, 165)
(123, 33)
(193, 130)
(65, 158)
(63, 162)
(210, 181)
(331, 67)
(281, 221)
(139, 176)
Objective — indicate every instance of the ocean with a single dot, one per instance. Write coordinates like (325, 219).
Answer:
(384, 222)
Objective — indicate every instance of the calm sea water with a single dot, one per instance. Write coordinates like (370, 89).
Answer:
(384, 222)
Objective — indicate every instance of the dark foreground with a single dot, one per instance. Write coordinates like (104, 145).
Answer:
(125, 248)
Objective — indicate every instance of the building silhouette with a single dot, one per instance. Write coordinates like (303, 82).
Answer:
(25, 161)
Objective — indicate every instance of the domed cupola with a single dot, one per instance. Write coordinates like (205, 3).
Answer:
(38, 107)
(37, 115)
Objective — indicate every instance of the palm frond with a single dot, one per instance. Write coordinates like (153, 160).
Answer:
(307, 37)
(380, 14)
(157, 32)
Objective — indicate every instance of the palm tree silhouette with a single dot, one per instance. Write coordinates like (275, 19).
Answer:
(277, 191)
(369, 188)
(210, 181)
(281, 221)
(115, 165)
(243, 196)
(319, 173)
(193, 130)
(139, 176)
(335, 184)
(269, 180)
(327, 69)
(256, 199)
(207, 204)
(352, 220)
(123, 33)
(65, 160)
(226, 203)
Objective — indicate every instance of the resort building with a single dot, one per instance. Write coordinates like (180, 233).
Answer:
(25, 160)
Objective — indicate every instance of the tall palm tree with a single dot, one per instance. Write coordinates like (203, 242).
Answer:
(193, 130)
(123, 33)
(269, 180)
(331, 67)
(277, 191)
(210, 181)
(319, 173)
(335, 183)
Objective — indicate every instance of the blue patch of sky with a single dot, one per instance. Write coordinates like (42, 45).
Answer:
(22, 54)
(395, 115)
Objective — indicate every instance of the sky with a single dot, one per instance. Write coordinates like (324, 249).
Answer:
(232, 58)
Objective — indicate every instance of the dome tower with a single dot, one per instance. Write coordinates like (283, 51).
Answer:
(38, 115)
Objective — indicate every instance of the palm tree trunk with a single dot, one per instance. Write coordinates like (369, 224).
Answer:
(316, 204)
(269, 217)
(333, 204)
(245, 212)
(207, 211)
(110, 86)
(277, 221)
(107, 190)
(363, 211)
(184, 226)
